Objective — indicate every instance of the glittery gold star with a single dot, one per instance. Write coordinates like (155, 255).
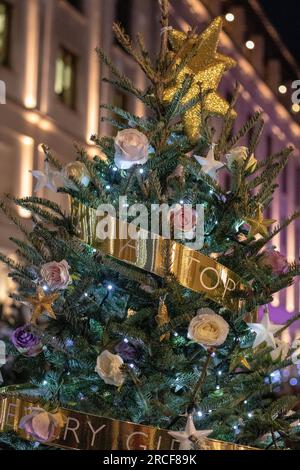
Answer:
(42, 303)
(206, 68)
(259, 224)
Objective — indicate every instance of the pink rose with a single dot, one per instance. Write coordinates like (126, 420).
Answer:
(183, 219)
(275, 260)
(131, 148)
(56, 275)
(41, 425)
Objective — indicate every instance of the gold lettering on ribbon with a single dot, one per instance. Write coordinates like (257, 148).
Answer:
(89, 432)
(192, 269)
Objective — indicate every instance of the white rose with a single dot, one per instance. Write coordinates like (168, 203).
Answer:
(238, 155)
(208, 328)
(109, 368)
(131, 149)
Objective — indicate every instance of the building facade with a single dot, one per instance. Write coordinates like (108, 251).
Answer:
(53, 90)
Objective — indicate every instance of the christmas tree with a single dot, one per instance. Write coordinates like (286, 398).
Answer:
(160, 331)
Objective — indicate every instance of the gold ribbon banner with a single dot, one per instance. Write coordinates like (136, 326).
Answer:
(191, 268)
(90, 432)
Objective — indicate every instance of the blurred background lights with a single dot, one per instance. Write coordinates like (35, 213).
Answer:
(282, 89)
(293, 381)
(229, 17)
(250, 45)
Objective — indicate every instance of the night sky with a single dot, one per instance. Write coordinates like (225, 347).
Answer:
(285, 16)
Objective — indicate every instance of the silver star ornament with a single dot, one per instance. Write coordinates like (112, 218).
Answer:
(45, 179)
(209, 165)
(265, 331)
(183, 437)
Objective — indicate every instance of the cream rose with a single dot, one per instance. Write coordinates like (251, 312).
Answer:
(131, 148)
(238, 155)
(208, 328)
(41, 425)
(108, 367)
(56, 274)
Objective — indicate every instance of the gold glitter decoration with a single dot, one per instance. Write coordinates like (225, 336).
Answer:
(42, 303)
(207, 67)
(162, 318)
(259, 224)
(245, 363)
(131, 312)
(238, 358)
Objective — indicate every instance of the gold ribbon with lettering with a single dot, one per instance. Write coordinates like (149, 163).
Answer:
(90, 432)
(191, 268)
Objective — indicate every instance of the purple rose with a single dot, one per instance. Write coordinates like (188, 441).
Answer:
(41, 425)
(26, 342)
(129, 351)
(275, 260)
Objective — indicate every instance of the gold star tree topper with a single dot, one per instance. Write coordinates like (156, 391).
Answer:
(206, 67)
(42, 303)
(258, 224)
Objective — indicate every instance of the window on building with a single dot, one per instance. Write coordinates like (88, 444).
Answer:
(284, 176)
(124, 14)
(297, 188)
(76, 4)
(251, 131)
(268, 212)
(120, 100)
(5, 20)
(269, 146)
(65, 77)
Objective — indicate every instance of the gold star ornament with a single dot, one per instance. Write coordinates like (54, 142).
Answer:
(42, 303)
(206, 67)
(259, 224)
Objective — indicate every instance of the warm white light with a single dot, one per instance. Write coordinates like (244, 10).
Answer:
(296, 108)
(27, 140)
(31, 53)
(33, 118)
(229, 17)
(46, 125)
(250, 45)
(282, 89)
(30, 102)
(25, 164)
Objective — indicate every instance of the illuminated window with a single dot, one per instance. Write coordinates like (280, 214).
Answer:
(123, 14)
(65, 77)
(284, 177)
(120, 100)
(5, 16)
